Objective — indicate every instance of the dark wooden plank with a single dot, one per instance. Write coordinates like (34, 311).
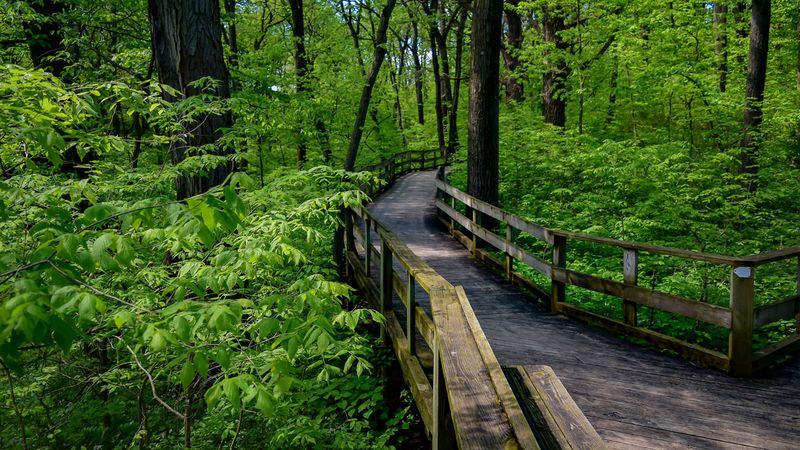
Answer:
(785, 309)
(547, 234)
(616, 373)
(712, 314)
(630, 267)
(740, 339)
(696, 353)
(770, 354)
(413, 374)
(496, 241)
(551, 407)
(520, 427)
(478, 418)
(490, 210)
(773, 255)
(658, 249)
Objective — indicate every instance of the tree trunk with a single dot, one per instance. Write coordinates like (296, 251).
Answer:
(437, 79)
(612, 95)
(187, 44)
(484, 88)
(45, 38)
(233, 37)
(300, 67)
(742, 29)
(452, 142)
(554, 81)
(369, 84)
(440, 34)
(514, 89)
(721, 43)
(754, 90)
(397, 72)
(417, 74)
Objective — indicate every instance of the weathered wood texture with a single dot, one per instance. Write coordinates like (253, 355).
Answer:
(469, 402)
(548, 404)
(633, 396)
(740, 317)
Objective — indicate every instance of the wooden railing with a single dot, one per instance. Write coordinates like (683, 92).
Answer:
(402, 163)
(740, 317)
(461, 392)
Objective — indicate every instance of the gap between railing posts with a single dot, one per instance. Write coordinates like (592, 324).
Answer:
(740, 317)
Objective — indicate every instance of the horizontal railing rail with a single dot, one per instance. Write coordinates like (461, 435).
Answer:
(461, 392)
(740, 317)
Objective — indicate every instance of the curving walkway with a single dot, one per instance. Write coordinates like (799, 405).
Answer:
(635, 397)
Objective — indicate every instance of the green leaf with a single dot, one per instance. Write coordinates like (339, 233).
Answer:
(234, 394)
(268, 327)
(323, 341)
(158, 342)
(182, 328)
(86, 306)
(282, 386)
(265, 403)
(187, 374)
(213, 395)
(223, 357)
(201, 363)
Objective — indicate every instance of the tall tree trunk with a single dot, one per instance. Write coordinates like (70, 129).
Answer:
(721, 43)
(741, 24)
(417, 74)
(369, 84)
(47, 50)
(612, 95)
(484, 110)
(441, 41)
(187, 44)
(397, 72)
(554, 81)
(754, 90)
(514, 89)
(300, 67)
(437, 78)
(233, 37)
(452, 142)
(45, 38)
(303, 73)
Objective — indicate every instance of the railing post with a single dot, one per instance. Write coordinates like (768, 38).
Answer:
(411, 313)
(509, 258)
(474, 246)
(630, 268)
(386, 282)
(349, 239)
(441, 438)
(740, 339)
(558, 292)
(423, 161)
(452, 221)
(368, 244)
(797, 317)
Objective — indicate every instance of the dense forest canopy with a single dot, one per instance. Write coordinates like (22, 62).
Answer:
(172, 173)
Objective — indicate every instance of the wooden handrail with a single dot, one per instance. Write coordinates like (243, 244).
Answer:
(740, 318)
(469, 403)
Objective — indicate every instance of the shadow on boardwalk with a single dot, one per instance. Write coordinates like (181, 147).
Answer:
(634, 397)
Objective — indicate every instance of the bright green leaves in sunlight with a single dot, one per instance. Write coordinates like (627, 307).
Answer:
(226, 296)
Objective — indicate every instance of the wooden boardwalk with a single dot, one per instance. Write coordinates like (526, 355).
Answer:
(634, 397)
